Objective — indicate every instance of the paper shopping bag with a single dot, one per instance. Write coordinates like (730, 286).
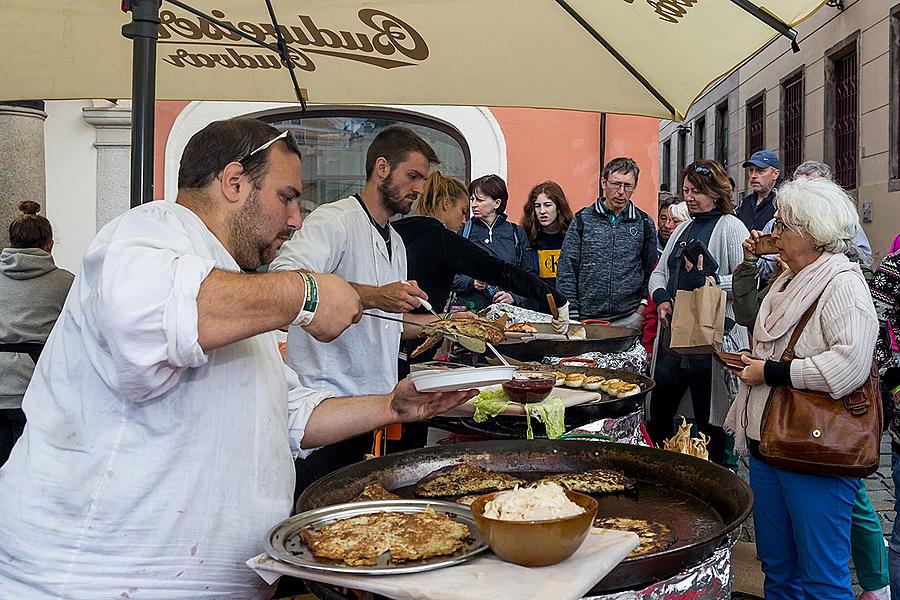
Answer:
(698, 320)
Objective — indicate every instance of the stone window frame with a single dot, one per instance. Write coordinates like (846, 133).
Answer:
(700, 137)
(759, 97)
(667, 163)
(894, 106)
(789, 78)
(836, 52)
(722, 124)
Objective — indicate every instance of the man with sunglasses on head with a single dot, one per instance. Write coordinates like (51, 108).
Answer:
(353, 238)
(609, 252)
(162, 422)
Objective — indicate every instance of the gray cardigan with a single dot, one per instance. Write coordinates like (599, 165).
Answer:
(725, 246)
(32, 292)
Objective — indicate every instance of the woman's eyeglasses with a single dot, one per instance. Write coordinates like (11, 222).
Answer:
(778, 226)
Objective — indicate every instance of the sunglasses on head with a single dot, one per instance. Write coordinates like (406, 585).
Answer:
(288, 138)
(703, 170)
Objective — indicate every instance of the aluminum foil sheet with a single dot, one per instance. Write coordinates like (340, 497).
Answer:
(516, 314)
(625, 430)
(708, 580)
(634, 359)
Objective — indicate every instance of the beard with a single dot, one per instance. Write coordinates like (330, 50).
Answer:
(391, 196)
(246, 230)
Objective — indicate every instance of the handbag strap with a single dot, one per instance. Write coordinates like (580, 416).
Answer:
(788, 353)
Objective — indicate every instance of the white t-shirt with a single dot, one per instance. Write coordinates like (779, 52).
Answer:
(339, 238)
(148, 468)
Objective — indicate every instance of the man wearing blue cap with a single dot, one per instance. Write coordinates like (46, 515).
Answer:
(758, 206)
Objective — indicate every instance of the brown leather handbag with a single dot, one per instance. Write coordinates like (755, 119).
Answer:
(811, 432)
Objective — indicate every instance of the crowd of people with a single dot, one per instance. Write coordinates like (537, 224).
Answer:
(165, 429)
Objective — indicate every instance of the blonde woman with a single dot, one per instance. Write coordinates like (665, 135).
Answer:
(435, 253)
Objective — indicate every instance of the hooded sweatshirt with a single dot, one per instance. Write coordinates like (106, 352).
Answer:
(32, 292)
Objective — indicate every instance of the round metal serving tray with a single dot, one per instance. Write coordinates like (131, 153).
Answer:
(283, 541)
(703, 502)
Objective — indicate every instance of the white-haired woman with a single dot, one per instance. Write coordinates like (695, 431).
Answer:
(803, 521)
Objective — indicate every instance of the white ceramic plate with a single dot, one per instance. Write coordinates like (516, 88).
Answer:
(466, 378)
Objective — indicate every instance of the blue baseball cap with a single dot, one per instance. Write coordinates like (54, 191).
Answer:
(763, 159)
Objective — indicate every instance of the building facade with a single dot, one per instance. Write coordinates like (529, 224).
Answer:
(86, 150)
(835, 101)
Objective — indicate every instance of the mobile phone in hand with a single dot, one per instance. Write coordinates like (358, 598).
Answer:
(766, 245)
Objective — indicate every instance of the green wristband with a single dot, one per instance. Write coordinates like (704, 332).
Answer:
(310, 300)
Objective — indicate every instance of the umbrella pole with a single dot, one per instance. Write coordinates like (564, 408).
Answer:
(143, 31)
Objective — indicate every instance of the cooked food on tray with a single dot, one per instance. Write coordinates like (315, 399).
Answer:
(654, 536)
(543, 501)
(476, 328)
(521, 328)
(560, 378)
(358, 541)
(592, 382)
(375, 491)
(468, 499)
(460, 480)
(596, 481)
(604, 385)
(624, 389)
(574, 380)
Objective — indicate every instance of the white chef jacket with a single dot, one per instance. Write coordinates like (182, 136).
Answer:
(339, 238)
(148, 468)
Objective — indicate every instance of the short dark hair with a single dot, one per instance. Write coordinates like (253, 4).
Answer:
(394, 144)
(621, 165)
(493, 186)
(222, 142)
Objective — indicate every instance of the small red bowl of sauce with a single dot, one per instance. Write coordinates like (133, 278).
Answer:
(527, 387)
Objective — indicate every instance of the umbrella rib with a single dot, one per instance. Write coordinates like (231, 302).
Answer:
(280, 49)
(770, 20)
(628, 66)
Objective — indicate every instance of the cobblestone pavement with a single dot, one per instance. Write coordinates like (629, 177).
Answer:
(879, 485)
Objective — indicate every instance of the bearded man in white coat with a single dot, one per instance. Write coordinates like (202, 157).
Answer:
(162, 423)
(353, 238)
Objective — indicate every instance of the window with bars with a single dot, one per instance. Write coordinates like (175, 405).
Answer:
(792, 122)
(700, 138)
(756, 124)
(894, 104)
(682, 154)
(722, 133)
(667, 165)
(846, 119)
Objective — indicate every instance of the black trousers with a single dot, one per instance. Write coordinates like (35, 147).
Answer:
(12, 422)
(674, 375)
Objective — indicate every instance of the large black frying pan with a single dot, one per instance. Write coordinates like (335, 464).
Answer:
(701, 501)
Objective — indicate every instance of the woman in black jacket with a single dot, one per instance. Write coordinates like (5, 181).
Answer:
(435, 253)
(490, 229)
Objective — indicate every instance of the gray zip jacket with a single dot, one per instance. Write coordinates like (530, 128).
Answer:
(604, 267)
(32, 292)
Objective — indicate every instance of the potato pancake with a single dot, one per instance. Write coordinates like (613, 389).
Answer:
(654, 536)
(459, 480)
(596, 481)
(359, 541)
(375, 491)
